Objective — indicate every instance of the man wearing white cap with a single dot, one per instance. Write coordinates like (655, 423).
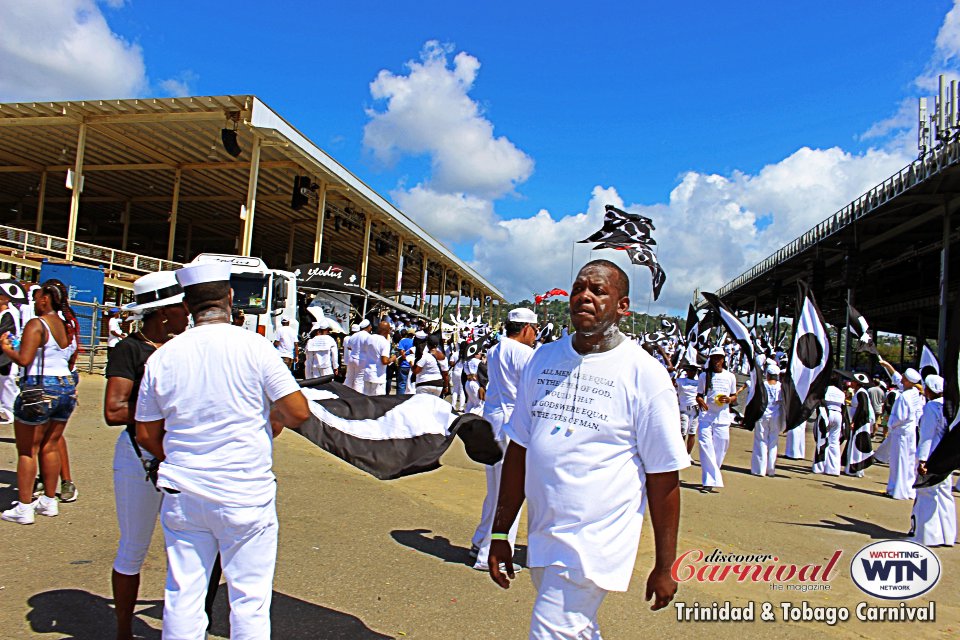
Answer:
(505, 362)
(935, 511)
(204, 411)
(717, 389)
(766, 433)
(902, 434)
(351, 357)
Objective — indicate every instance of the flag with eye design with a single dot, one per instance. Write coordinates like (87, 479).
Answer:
(810, 365)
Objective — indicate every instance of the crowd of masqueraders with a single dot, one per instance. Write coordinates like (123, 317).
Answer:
(594, 426)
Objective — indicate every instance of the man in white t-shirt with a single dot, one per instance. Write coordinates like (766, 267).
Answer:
(687, 384)
(351, 356)
(374, 358)
(321, 358)
(114, 329)
(286, 343)
(204, 412)
(595, 437)
(505, 363)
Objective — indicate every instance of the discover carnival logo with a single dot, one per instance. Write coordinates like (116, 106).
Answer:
(895, 569)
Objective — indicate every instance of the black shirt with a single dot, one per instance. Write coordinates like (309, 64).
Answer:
(127, 360)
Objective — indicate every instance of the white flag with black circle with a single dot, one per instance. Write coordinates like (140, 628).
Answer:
(808, 373)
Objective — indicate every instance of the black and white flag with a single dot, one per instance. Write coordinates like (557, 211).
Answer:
(645, 257)
(860, 329)
(756, 402)
(858, 453)
(928, 362)
(810, 366)
(391, 436)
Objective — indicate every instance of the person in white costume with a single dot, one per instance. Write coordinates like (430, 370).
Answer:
(322, 358)
(431, 371)
(834, 401)
(595, 438)
(687, 385)
(351, 357)
(458, 397)
(204, 411)
(935, 511)
(374, 359)
(766, 433)
(716, 390)
(471, 385)
(505, 363)
(902, 436)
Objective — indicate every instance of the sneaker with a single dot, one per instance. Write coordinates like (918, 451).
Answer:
(68, 491)
(483, 566)
(47, 506)
(37, 487)
(20, 513)
(5, 417)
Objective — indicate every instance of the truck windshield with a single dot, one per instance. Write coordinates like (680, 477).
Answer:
(249, 292)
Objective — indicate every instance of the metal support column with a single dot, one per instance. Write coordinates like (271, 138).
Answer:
(321, 216)
(41, 200)
(399, 283)
(471, 298)
(174, 206)
(126, 225)
(836, 351)
(365, 256)
(246, 243)
(459, 293)
(290, 242)
(75, 195)
(848, 346)
(423, 285)
(944, 283)
(443, 292)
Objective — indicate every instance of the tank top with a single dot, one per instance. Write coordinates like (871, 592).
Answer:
(55, 360)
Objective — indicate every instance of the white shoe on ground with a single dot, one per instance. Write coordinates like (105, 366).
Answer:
(20, 513)
(47, 506)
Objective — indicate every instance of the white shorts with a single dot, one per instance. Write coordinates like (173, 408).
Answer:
(689, 420)
(138, 505)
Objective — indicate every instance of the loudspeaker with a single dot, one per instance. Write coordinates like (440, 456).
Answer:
(299, 199)
(229, 139)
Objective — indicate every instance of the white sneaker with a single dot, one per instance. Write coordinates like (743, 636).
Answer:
(6, 417)
(20, 513)
(47, 506)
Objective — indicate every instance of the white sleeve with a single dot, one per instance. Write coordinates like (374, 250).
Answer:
(659, 443)
(899, 413)
(443, 364)
(148, 408)
(929, 425)
(334, 356)
(277, 380)
(701, 384)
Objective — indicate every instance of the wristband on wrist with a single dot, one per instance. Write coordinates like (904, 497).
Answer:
(500, 536)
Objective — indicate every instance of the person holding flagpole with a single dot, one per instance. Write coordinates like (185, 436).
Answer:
(934, 516)
(715, 393)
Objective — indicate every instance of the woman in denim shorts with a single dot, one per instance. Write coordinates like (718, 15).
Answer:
(46, 345)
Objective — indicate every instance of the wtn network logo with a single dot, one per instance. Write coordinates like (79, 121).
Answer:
(895, 569)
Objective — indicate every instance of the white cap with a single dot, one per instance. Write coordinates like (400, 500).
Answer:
(422, 335)
(354, 328)
(716, 351)
(934, 383)
(202, 273)
(522, 315)
(364, 324)
(773, 370)
(155, 290)
(912, 375)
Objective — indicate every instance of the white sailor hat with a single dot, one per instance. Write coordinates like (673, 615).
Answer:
(912, 375)
(716, 351)
(155, 290)
(354, 328)
(364, 324)
(934, 383)
(773, 370)
(202, 273)
(522, 315)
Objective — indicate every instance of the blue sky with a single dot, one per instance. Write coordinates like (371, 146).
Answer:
(697, 113)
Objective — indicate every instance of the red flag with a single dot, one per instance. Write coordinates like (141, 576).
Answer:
(556, 292)
(538, 299)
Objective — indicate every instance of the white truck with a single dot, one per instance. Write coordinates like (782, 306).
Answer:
(266, 296)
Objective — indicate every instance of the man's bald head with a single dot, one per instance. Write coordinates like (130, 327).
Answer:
(618, 276)
(384, 328)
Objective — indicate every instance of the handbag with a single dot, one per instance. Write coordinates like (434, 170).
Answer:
(34, 402)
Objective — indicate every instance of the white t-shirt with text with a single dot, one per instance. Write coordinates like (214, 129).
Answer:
(723, 383)
(594, 426)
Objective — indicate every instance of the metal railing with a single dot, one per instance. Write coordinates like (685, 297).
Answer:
(932, 163)
(93, 345)
(33, 242)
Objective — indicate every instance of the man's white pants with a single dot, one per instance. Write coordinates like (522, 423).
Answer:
(474, 403)
(714, 439)
(766, 436)
(796, 445)
(311, 366)
(566, 605)
(903, 463)
(457, 392)
(354, 378)
(194, 531)
(375, 388)
(935, 513)
(481, 537)
(138, 504)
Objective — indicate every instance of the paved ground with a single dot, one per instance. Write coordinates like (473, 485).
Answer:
(363, 559)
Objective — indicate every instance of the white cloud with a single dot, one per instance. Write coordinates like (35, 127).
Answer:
(707, 232)
(429, 112)
(453, 217)
(179, 85)
(64, 49)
